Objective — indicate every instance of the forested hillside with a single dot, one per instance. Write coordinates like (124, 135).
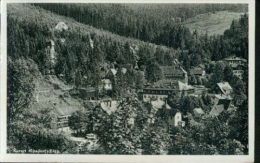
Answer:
(148, 25)
(55, 49)
(30, 34)
(149, 22)
(75, 57)
(142, 21)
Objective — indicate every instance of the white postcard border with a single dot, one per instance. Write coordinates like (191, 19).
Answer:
(124, 158)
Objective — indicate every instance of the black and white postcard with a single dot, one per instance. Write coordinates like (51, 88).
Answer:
(127, 81)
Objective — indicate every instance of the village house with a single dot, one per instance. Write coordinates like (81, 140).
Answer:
(223, 100)
(106, 85)
(89, 93)
(63, 122)
(112, 73)
(109, 105)
(198, 112)
(174, 73)
(198, 72)
(237, 64)
(234, 61)
(224, 88)
(238, 73)
(162, 93)
(175, 119)
(220, 103)
(199, 90)
(185, 88)
(156, 93)
(62, 117)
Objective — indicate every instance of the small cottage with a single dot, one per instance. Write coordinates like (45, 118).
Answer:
(175, 119)
(62, 116)
(234, 61)
(106, 84)
(109, 105)
(238, 73)
(198, 112)
(174, 73)
(224, 88)
(89, 93)
(198, 72)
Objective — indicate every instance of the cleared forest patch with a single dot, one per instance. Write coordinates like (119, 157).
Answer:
(213, 23)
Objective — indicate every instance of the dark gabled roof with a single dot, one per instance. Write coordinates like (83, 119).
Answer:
(166, 83)
(196, 71)
(88, 89)
(163, 89)
(171, 70)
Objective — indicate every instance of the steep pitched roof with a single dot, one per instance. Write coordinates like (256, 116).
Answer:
(216, 110)
(197, 71)
(166, 83)
(224, 87)
(114, 71)
(223, 97)
(198, 111)
(87, 89)
(172, 70)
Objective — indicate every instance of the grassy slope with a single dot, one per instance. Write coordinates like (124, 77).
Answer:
(52, 93)
(214, 23)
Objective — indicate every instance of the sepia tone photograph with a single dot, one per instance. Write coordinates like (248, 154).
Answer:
(127, 79)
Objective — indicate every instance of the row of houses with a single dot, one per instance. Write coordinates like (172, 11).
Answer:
(158, 97)
(237, 64)
(154, 93)
(174, 83)
(221, 101)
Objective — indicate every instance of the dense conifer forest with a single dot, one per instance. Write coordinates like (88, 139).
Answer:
(102, 36)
